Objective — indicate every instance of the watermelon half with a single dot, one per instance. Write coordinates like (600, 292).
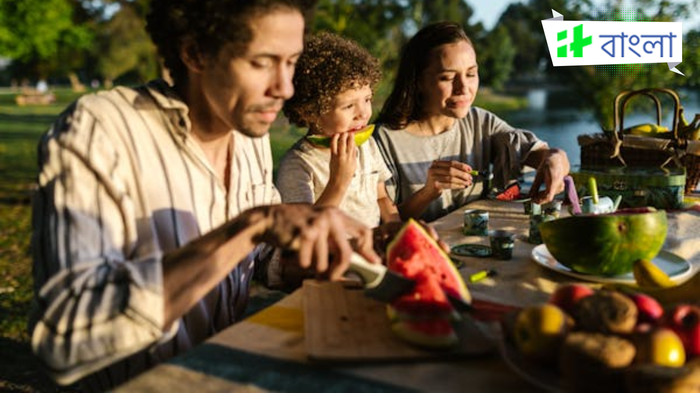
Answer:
(422, 316)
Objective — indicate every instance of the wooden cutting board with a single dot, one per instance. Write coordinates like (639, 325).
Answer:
(341, 324)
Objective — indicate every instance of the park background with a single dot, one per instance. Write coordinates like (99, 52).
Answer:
(52, 51)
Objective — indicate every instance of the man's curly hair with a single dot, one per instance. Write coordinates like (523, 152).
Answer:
(329, 65)
(211, 24)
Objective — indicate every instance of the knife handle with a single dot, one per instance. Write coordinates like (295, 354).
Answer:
(371, 273)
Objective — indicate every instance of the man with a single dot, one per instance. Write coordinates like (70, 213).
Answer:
(153, 201)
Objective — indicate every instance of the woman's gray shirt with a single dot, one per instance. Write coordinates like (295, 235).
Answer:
(480, 139)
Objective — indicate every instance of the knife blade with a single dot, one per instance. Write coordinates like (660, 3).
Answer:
(379, 282)
(459, 304)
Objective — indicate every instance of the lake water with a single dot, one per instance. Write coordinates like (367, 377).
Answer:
(556, 118)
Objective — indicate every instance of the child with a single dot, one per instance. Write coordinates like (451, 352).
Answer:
(333, 86)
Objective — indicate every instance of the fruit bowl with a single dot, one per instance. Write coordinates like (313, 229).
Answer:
(606, 244)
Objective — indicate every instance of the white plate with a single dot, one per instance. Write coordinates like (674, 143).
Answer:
(673, 265)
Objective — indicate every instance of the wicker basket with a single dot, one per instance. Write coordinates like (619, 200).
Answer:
(618, 149)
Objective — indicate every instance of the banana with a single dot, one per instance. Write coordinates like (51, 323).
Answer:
(648, 129)
(649, 275)
(685, 292)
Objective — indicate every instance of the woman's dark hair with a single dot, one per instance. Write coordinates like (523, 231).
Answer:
(329, 65)
(403, 104)
(210, 24)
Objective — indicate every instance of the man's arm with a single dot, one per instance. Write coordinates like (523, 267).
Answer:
(318, 235)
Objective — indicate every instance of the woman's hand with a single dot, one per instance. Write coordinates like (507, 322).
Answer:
(343, 158)
(551, 172)
(446, 175)
(320, 236)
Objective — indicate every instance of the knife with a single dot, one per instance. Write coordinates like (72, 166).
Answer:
(458, 303)
(379, 282)
(385, 285)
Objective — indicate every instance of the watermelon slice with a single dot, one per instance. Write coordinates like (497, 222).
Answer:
(426, 300)
(360, 137)
(433, 334)
(422, 316)
(414, 252)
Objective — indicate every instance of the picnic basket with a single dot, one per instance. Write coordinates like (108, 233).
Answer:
(619, 149)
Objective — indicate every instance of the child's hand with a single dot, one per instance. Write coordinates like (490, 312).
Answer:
(343, 158)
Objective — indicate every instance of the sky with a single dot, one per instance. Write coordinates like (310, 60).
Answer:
(488, 12)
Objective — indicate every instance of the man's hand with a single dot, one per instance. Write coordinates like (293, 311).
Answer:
(320, 236)
(551, 172)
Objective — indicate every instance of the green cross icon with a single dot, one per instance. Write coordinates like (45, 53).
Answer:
(579, 42)
(576, 45)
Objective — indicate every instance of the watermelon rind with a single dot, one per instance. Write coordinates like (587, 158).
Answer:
(605, 245)
(360, 137)
(433, 334)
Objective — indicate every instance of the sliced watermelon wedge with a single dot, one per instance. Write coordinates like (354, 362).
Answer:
(414, 252)
(422, 317)
(433, 334)
(361, 137)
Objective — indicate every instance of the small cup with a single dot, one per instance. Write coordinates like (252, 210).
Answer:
(502, 244)
(476, 222)
(534, 236)
(604, 205)
(552, 208)
(532, 208)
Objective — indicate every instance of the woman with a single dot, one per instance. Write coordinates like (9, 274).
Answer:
(432, 138)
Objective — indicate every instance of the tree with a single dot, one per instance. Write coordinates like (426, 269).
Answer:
(440, 10)
(40, 33)
(516, 20)
(691, 58)
(599, 85)
(374, 24)
(496, 58)
(125, 46)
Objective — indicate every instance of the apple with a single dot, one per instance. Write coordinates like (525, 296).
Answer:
(649, 310)
(684, 319)
(661, 346)
(566, 296)
(539, 331)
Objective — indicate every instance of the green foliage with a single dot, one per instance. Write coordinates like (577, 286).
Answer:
(691, 58)
(35, 31)
(517, 21)
(374, 24)
(599, 85)
(496, 58)
(440, 10)
(124, 46)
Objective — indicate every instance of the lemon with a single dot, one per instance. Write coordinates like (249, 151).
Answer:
(650, 276)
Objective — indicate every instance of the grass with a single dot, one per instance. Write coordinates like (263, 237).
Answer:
(20, 130)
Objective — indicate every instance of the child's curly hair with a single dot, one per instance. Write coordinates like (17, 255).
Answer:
(329, 65)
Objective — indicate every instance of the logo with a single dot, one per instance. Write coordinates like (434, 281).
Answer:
(613, 42)
(576, 45)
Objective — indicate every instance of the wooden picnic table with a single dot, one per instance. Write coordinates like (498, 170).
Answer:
(267, 351)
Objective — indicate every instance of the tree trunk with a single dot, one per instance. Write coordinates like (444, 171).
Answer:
(75, 83)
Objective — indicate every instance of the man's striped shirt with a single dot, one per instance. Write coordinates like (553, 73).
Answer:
(123, 182)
